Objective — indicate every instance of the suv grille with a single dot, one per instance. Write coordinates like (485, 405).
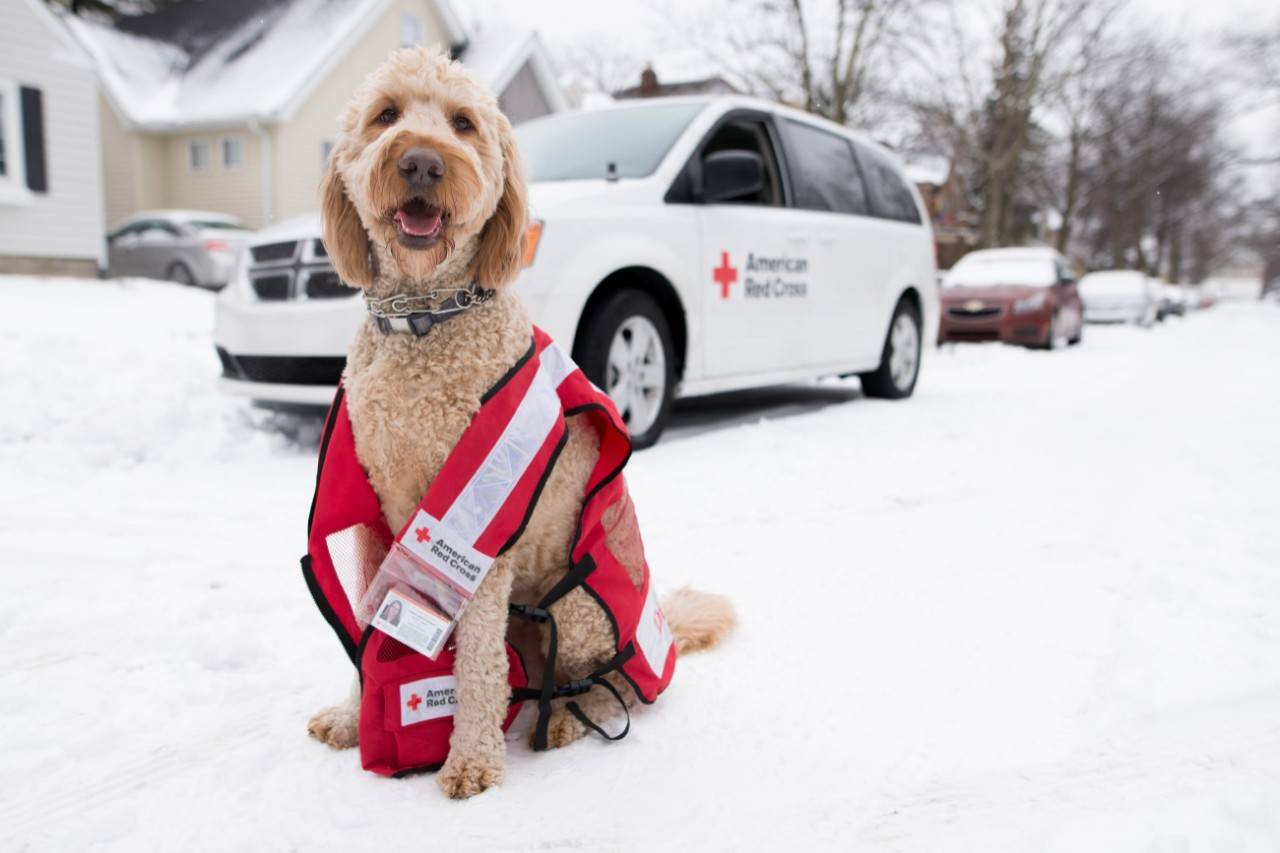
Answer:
(325, 284)
(294, 269)
(274, 252)
(271, 287)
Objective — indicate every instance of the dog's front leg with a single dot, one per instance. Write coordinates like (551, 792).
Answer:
(477, 750)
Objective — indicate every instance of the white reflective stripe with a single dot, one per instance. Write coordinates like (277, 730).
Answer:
(428, 699)
(653, 635)
(558, 363)
(449, 553)
(486, 492)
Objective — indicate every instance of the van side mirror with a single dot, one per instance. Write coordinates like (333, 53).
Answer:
(731, 174)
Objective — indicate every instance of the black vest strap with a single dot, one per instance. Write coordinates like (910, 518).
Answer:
(549, 689)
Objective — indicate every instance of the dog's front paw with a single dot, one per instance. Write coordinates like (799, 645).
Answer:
(465, 777)
(337, 726)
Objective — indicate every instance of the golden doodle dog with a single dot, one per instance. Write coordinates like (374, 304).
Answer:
(425, 192)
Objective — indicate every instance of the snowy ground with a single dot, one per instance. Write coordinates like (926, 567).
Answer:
(1037, 607)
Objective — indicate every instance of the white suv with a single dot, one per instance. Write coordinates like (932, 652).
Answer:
(680, 247)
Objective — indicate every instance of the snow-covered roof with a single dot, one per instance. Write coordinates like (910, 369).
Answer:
(250, 61)
(496, 52)
(932, 169)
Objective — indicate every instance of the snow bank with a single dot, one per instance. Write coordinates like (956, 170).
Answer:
(1034, 608)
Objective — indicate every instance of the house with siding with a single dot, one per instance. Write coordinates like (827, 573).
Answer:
(51, 201)
(232, 106)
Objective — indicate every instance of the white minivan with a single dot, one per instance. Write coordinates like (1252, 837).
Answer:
(680, 247)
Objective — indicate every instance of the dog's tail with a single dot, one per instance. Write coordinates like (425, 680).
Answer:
(698, 620)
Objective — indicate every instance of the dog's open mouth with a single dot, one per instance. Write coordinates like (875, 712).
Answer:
(419, 224)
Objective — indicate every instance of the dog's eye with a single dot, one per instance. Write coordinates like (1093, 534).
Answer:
(388, 116)
(462, 124)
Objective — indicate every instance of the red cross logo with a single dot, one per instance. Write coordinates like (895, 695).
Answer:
(724, 275)
(424, 535)
(659, 620)
(414, 701)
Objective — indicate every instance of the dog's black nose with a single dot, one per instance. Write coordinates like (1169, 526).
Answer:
(422, 167)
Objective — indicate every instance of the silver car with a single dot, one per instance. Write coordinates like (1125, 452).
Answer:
(194, 247)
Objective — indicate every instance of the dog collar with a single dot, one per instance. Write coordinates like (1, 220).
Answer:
(407, 313)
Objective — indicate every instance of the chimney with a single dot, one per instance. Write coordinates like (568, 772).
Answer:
(648, 82)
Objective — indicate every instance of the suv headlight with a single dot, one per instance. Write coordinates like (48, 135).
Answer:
(532, 237)
(1027, 304)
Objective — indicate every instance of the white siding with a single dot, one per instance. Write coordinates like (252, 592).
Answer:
(67, 221)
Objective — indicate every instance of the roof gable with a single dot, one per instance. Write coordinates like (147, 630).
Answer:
(229, 62)
(218, 63)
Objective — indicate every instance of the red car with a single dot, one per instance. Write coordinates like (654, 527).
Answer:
(1018, 296)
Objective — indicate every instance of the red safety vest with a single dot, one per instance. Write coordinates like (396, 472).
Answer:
(481, 501)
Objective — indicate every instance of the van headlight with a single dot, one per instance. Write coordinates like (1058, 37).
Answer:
(1027, 304)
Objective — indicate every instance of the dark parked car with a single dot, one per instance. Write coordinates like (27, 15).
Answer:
(1018, 296)
(187, 246)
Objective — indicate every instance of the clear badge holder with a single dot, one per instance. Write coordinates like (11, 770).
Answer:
(413, 602)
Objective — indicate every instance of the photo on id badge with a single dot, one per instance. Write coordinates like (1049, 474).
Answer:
(391, 613)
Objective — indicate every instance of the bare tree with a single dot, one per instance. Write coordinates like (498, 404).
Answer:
(830, 57)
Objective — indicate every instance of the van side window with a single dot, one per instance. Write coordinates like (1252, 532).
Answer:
(823, 171)
(890, 197)
(750, 135)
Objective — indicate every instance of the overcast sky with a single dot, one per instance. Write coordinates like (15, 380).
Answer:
(646, 29)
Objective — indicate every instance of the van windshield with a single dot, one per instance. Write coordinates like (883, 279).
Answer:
(578, 146)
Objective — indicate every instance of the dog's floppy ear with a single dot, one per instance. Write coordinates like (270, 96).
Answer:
(345, 239)
(501, 252)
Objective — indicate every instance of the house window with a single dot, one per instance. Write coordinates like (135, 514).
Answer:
(198, 152)
(232, 152)
(411, 33)
(13, 184)
(10, 138)
(5, 97)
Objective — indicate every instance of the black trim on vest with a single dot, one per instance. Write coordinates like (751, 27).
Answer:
(309, 575)
(537, 492)
(324, 449)
(613, 622)
(576, 576)
(510, 374)
(608, 478)
(416, 771)
(635, 688)
(360, 653)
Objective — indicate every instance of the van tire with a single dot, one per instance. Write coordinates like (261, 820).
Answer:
(629, 311)
(880, 382)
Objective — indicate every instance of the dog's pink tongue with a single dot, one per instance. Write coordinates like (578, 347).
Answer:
(418, 224)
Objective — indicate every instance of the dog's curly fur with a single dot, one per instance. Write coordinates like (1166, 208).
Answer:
(411, 398)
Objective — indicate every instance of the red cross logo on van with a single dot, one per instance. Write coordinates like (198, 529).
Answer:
(724, 275)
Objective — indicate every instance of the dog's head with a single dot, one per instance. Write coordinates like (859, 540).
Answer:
(425, 162)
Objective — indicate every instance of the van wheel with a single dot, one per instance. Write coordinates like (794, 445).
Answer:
(895, 378)
(626, 351)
